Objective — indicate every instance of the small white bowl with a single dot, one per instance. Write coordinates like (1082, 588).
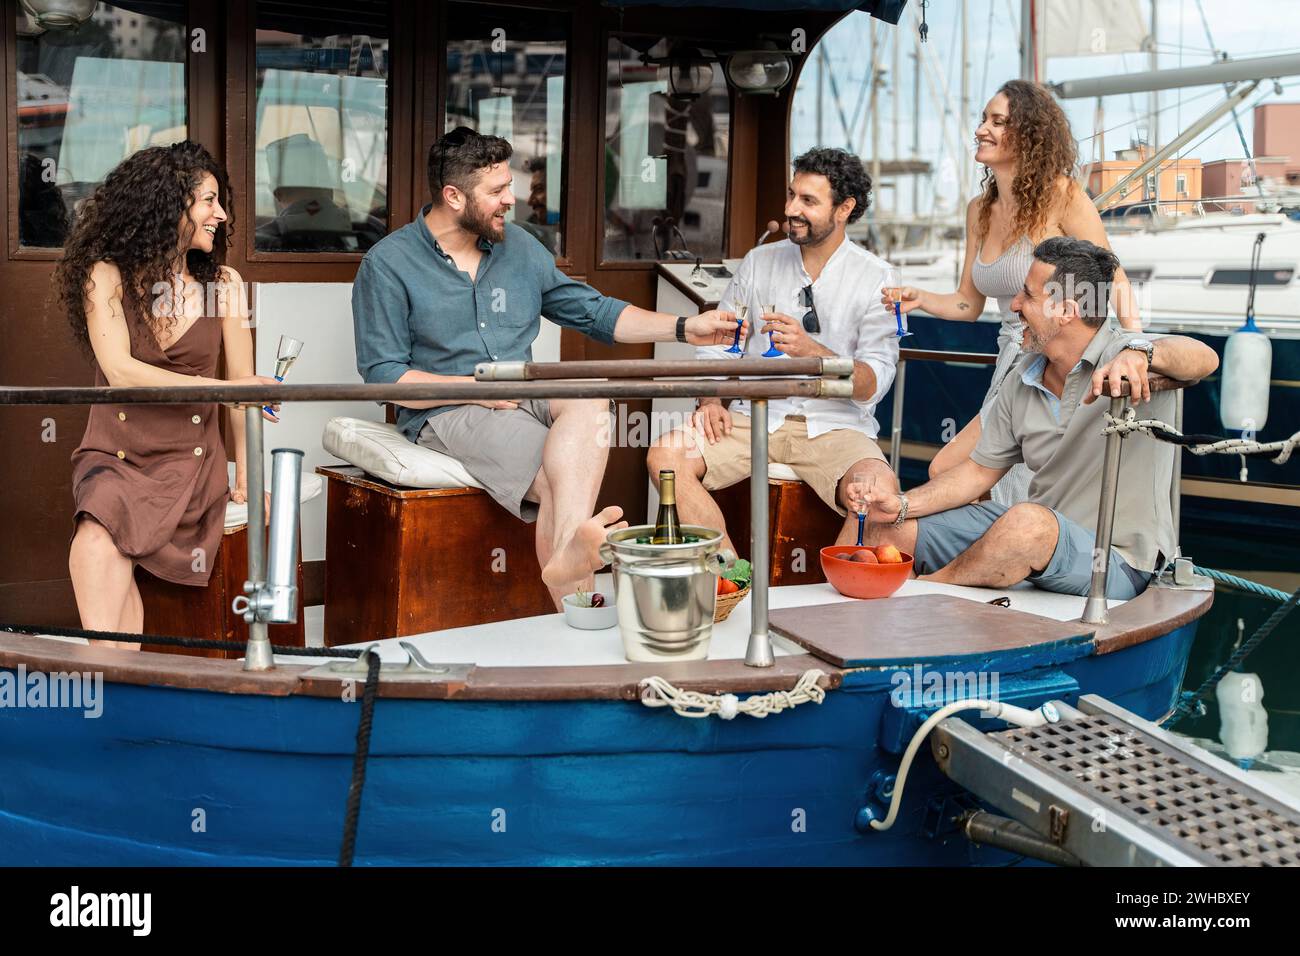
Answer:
(589, 618)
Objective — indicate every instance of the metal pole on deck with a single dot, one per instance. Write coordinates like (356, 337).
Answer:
(896, 425)
(1095, 610)
(258, 656)
(1176, 486)
(759, 652)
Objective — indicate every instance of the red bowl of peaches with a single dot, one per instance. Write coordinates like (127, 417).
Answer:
(865, 572)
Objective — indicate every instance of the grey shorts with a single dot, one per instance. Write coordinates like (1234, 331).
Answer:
(941, 537)
(500, 447)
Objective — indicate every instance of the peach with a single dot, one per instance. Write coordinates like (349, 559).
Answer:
(865, 556)
(888, 554)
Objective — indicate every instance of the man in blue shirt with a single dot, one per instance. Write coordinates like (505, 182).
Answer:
(459, 286)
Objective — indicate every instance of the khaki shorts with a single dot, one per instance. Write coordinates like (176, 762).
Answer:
(500, 448)
(819, 462)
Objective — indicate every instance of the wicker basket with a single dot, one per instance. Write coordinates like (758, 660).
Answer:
(726, 602)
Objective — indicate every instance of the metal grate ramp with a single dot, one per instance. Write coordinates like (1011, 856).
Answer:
(1115, 790)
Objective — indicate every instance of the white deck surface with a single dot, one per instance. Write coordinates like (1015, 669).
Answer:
(548, 641)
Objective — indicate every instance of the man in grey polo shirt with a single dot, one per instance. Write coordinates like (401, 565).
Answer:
(459, 286)
(1047, 416)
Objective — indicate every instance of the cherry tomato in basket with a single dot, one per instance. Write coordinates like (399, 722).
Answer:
(727, 587)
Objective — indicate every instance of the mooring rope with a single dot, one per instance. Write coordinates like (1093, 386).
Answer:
(361, 753)
(1189, 700)
(1201, 444)
(657, 692)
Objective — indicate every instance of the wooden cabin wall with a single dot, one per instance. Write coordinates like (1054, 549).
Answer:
(36, 347)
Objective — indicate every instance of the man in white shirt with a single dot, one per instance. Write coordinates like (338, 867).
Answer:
(818, 294)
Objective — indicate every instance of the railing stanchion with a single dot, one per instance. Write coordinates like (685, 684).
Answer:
(1095, 609)
(759, 652)
(896, 428)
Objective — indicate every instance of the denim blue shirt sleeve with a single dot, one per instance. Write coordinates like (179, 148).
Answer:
(380, 326)
(414, 308)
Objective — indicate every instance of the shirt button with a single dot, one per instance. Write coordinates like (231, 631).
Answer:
(196, 420)
(198, 451)
(482, 325)
(121, 454)
(121, 416)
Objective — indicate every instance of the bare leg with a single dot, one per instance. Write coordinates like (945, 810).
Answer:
(957, 450)
(573, 461)
(676, 452)
(1019, 543)
(102, 581)
(544, 532)
(885, 482)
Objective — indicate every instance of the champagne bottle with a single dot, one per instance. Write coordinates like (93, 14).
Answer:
(668, 530)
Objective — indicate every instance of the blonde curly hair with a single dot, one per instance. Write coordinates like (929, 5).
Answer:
(1039, 132)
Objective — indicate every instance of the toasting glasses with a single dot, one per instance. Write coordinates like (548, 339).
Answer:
(285, 356)
(893, 286)
(742, 313)
(864, 483)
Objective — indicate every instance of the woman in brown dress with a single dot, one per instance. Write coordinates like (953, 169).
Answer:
(143, 286)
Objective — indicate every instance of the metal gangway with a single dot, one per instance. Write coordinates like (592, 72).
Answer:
(1100, 786)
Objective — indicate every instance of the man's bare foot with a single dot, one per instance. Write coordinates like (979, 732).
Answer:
(578, 557)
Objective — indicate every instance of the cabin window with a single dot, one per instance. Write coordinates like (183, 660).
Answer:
(506, 77)
(1265, 276)
(88, 97)
(321, 141)
(665, 160)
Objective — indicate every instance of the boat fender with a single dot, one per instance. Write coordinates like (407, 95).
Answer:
(1247, 373)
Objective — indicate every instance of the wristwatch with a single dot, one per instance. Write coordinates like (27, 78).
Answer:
(902, 509)
(681, 329)
(1145, 346)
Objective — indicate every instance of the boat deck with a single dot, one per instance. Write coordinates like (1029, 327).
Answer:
(547, 641)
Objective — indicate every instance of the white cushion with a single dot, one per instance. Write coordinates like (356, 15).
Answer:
(381, 450)
(237, 513)
(781, 472)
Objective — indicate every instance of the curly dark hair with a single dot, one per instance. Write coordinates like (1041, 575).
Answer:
(133, 219)
(849, 179)
(1038, 131)
(458, 159)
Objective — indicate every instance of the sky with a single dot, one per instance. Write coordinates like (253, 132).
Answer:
(1242, 28)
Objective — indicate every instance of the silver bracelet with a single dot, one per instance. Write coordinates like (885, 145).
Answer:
(902, 510)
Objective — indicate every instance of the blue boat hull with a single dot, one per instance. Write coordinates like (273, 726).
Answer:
(189, 777)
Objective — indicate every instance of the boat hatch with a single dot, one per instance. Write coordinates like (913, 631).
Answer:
(1268, 275)
(1113, 789)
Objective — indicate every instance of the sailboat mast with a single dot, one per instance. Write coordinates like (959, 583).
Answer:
(1154, 120)
(965, 96)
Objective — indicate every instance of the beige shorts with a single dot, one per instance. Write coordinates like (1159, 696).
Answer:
(819, 462)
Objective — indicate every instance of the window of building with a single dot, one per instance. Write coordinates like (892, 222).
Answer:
(1180, 184)
(665, 160)
(506, 77)
(88, 97)
(321, 134)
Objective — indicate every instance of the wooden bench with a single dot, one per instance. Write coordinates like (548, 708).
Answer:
(799, 526)
(402, 561)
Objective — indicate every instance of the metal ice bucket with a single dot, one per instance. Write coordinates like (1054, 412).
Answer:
(666, 593)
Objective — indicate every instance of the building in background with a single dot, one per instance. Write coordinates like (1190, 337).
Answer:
(1179, 180)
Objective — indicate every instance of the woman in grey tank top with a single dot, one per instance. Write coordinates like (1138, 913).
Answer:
(1029, 194)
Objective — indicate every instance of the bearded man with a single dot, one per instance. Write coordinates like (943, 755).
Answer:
(818, 294)
(462, 285)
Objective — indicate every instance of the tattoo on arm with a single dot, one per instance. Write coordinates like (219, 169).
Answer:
(964, 306)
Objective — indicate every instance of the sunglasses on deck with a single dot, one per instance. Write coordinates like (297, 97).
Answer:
(810, 321)
(453, 140)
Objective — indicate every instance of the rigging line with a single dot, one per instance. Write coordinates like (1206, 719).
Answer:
(1163, 109)
(988, 47)
(1241, 134)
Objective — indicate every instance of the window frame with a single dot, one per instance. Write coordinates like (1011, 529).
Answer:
(202, 109)
(610, 265)
(314, 266)
(435, 123)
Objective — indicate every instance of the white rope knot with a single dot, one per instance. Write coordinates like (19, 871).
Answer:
(657, 692)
